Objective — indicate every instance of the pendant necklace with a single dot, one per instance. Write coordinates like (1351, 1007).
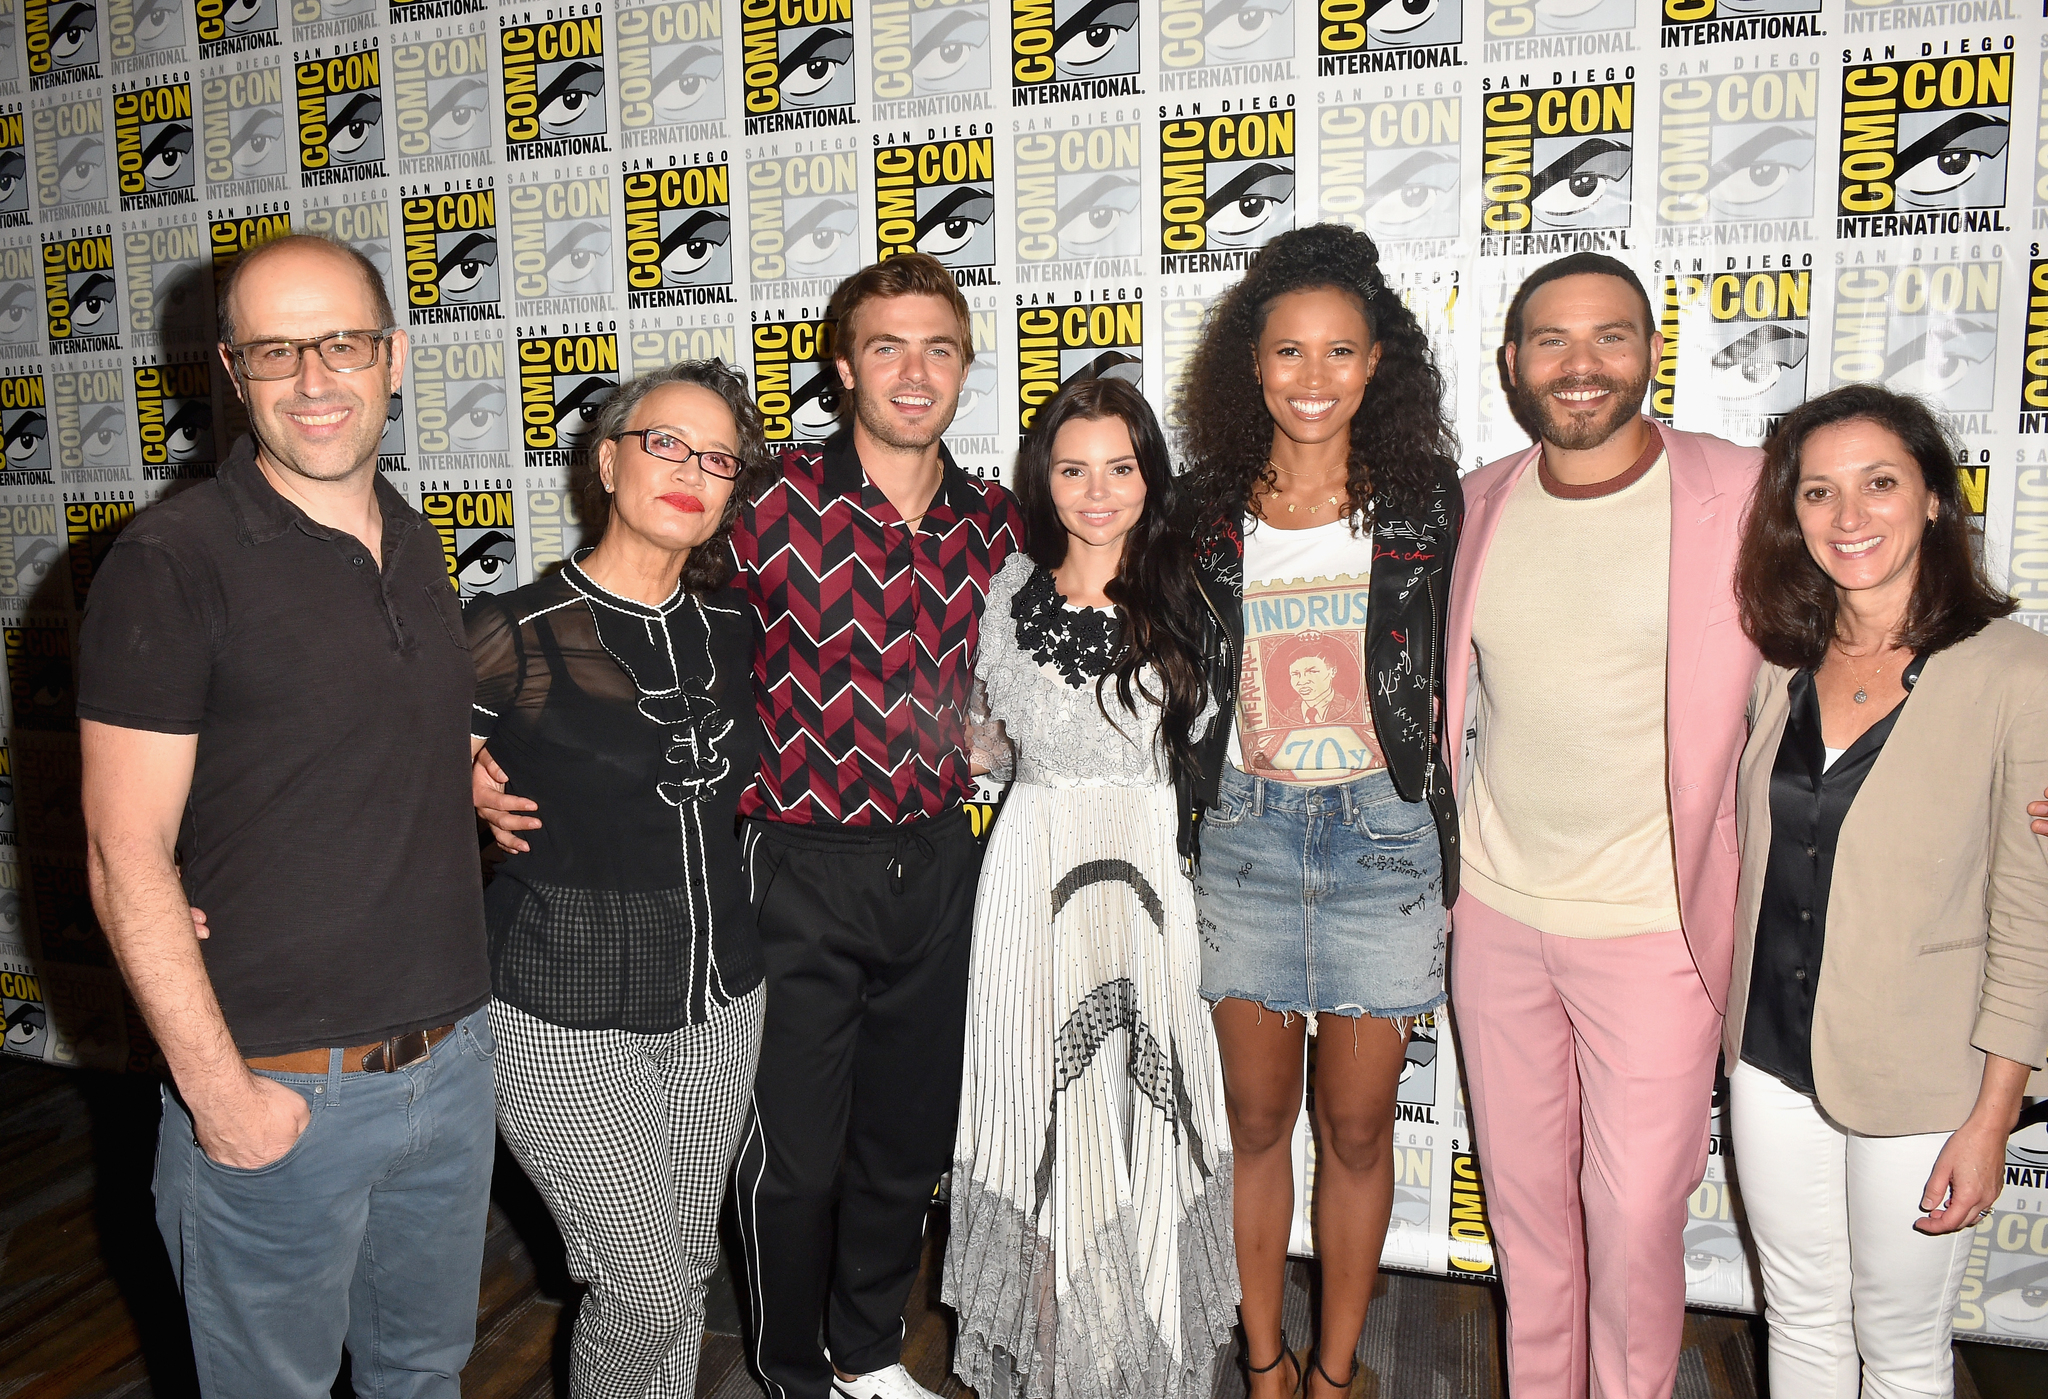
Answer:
(1862, 695)
(1311, 509)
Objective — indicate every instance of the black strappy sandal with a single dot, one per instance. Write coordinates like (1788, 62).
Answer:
(1315, 1361)
(1247, 1369)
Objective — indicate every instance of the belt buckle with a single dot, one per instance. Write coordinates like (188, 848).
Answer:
(398, 1052)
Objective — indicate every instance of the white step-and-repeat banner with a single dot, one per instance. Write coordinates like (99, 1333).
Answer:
(1816, 191)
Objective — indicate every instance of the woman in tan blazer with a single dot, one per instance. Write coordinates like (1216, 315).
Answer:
(1890, 996)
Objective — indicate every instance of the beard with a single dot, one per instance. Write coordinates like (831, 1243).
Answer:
(332, 461)
(1547, 420)
(891, 431)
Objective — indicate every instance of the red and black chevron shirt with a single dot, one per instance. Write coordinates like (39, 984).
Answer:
(868, 633)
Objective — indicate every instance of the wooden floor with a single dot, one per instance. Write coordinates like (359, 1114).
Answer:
(87, 1308)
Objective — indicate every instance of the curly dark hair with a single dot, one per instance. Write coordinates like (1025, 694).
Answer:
(1402, 444)
(1788, 602)
(1154, 587)
(710, 563)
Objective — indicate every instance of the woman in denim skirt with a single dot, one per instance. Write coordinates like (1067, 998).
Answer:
(1325, 507)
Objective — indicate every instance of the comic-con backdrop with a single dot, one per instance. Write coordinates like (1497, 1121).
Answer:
(560, 195)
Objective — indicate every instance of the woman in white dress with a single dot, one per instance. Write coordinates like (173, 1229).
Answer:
(1090, 1252)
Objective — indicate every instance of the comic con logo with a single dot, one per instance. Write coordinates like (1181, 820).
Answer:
(1689, 22)
(561, 239)
(341, 120)
(1557, 160)
(478, 539)
(1197, 35)
(153, 146)
(1526, 29)
(1391, 168)
(451, 257)
(1070, 50)
(63, 41)
(39, 675)
(138, 29)
(803, 218)
(25, 427)
(671, 62)
(1924, 146)
(796, 383)
(1057, 346)
(1739, 147)
(2034, 382)
(440, 94)
(797, 63)
(234, 26)
(21, 1004)
(1077, 202)
(247, 138)
(13, 171)
(1347, 29)
(90, 424)
(174, 420)
(927, 48)
(71, 153)
(79, 295)
(1927, 329)
(554, 89)
(90, 529)
(458, 396)
(1226, 187)
(678, 236)
(29, 550)
(1751, 333)
(563, 382)
(939, 198)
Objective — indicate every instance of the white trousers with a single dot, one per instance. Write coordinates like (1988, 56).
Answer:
(1858, 1300)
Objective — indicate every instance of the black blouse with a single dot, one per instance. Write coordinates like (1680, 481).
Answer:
(1809, 801)
(634, 728)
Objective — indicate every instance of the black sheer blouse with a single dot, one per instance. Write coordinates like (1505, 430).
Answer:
(634, 728)
(1809, 800)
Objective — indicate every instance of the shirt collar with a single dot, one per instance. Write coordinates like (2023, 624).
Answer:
(841, 474)
(262, 514)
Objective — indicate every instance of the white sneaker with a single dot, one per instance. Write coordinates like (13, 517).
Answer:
(892, 1383)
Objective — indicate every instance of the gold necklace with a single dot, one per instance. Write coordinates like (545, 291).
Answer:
(1311, 509)
(1862, 695)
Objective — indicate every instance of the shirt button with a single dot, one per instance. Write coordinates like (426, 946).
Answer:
(1813, 852)
(1805, 916)
(1799, 973)
(358, 560)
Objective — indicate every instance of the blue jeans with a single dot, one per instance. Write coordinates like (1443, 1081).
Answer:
(368, 1233)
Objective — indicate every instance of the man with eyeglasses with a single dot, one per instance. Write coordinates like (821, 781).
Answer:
(274, 696)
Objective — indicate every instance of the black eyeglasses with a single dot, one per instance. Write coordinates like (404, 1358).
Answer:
(343, 351)
(660, 442)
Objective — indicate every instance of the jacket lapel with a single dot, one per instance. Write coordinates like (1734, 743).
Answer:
(1482, 519)
(1696, 538)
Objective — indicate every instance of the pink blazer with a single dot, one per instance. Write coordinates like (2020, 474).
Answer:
(1708, 672)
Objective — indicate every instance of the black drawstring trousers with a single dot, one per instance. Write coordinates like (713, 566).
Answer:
(865, 934)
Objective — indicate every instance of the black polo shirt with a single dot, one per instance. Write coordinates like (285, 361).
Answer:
(328, 835)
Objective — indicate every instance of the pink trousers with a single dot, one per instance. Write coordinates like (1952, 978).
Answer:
(1589, 1067)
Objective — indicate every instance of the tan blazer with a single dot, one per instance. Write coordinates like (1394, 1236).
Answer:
(1936, 947)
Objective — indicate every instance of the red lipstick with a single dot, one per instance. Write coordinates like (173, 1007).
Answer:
(688, 504)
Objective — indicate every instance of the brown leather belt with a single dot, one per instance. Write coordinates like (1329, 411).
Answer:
(385, 1056)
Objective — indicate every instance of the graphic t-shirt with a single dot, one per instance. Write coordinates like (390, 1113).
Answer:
(1304, 713)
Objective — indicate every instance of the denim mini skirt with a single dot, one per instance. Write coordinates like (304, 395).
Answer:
(1325, 899)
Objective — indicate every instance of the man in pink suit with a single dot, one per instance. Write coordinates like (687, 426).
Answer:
(1596, 660)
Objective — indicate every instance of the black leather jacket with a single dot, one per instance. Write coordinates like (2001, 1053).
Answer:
(1408, 595)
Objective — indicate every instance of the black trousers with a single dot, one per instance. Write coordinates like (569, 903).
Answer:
(865, 933)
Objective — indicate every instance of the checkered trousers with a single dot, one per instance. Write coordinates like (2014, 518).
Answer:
(629, 1139)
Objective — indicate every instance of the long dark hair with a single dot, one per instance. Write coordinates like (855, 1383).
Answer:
(710, 563)
(1154, 587)
(1787, 599)
(1402, 445)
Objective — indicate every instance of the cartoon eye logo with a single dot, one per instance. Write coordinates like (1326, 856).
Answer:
(1092, 33)
(467, 264)
(1576, 182)
(91, 301)
(474, 416)
(1941, 358)
(684, 81)
(458, 117)
(951, 224)
(1393, 17)
(1238, 24)
(79, 170)
(1570, 14)
(1097, 212)
(581, 256)
(240, 12)
(692, 243)
(1412, 191)
(71, 31)
(946, 50)
(257, 138)
(816, 238)
(349, 130)
(577, 414)
(1760, 167)
(13, 174)
(1249, 201)
(152, 18)
(1110, 364)
(976, 390)
(25, 438)
(576, 90)
(1949, 157)
(105, 444)
(189, 429)
(167, 156)
(813, 64)
(15, 310)
(814, 408)
(1753, 364)
(486, 565)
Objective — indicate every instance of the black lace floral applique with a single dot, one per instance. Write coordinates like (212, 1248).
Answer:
(1080, 643)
